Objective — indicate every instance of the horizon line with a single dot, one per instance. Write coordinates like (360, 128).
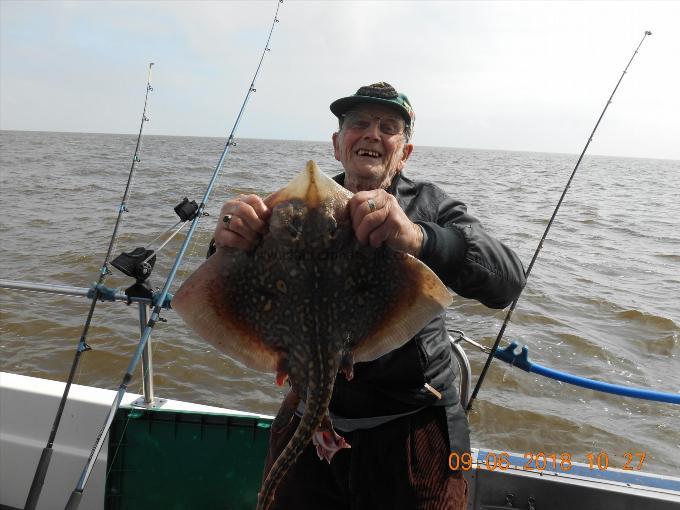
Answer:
(327, 142)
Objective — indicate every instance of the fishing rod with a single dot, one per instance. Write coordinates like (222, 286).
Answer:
(46, 455)
(492, 353)
(77, 493)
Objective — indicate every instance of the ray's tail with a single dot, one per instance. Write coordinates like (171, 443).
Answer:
(316, 407)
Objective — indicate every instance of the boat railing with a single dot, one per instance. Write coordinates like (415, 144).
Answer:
(107, 294)
(508, 354)
(465, 371)
(148, 399)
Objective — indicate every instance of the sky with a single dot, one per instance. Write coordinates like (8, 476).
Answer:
(525, 76)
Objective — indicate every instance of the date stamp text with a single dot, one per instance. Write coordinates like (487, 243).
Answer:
(541, 461)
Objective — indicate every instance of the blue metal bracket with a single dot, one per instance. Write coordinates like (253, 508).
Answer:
(167, 302)
(105, 293)
(520, 360)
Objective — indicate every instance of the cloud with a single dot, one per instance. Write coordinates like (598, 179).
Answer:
(512, 75)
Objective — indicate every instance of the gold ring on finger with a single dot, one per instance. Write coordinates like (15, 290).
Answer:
(226, 219)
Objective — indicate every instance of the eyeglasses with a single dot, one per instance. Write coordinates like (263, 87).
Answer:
(361, 121)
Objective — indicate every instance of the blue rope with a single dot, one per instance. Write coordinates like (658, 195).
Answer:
(522, 361)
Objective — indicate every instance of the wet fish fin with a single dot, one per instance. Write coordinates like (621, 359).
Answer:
(421, 297)
(201, 304)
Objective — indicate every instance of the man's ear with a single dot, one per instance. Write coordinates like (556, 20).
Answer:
(336, 145)
(406, 152)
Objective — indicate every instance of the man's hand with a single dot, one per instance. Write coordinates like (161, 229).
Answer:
(377, 219)
(242, 220)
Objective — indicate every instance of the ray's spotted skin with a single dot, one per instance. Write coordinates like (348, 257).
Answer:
(307, 302)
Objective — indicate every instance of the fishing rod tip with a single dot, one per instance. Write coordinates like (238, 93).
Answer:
(648, 32)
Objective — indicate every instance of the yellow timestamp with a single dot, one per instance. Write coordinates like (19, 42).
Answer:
(540, 461)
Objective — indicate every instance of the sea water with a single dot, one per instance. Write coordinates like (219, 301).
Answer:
(603, 299)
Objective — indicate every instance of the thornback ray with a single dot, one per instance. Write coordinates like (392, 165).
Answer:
(308, 301)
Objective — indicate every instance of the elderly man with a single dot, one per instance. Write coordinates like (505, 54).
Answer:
(401, 413)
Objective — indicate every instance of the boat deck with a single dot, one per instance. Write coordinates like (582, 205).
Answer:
(157, 458)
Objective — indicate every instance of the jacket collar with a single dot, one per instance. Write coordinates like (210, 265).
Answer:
(392, 189)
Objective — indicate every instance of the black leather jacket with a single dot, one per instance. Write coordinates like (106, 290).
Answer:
(474, 265)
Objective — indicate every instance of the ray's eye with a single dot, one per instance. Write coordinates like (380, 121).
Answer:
(295, 227)
(332, 227)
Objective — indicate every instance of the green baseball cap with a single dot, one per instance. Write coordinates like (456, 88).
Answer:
(377, 93)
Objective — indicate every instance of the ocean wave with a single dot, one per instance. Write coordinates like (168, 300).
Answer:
(648, 319)
(673, 257)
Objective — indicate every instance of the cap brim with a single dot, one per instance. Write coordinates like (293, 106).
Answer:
(344, 104)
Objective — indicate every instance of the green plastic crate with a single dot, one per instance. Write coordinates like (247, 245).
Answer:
(176, 460)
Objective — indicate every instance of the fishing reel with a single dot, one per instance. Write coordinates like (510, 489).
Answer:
(139, 263)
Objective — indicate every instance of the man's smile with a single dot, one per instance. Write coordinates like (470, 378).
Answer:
(369, 153)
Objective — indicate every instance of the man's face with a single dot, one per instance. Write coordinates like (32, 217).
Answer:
(369, 156)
